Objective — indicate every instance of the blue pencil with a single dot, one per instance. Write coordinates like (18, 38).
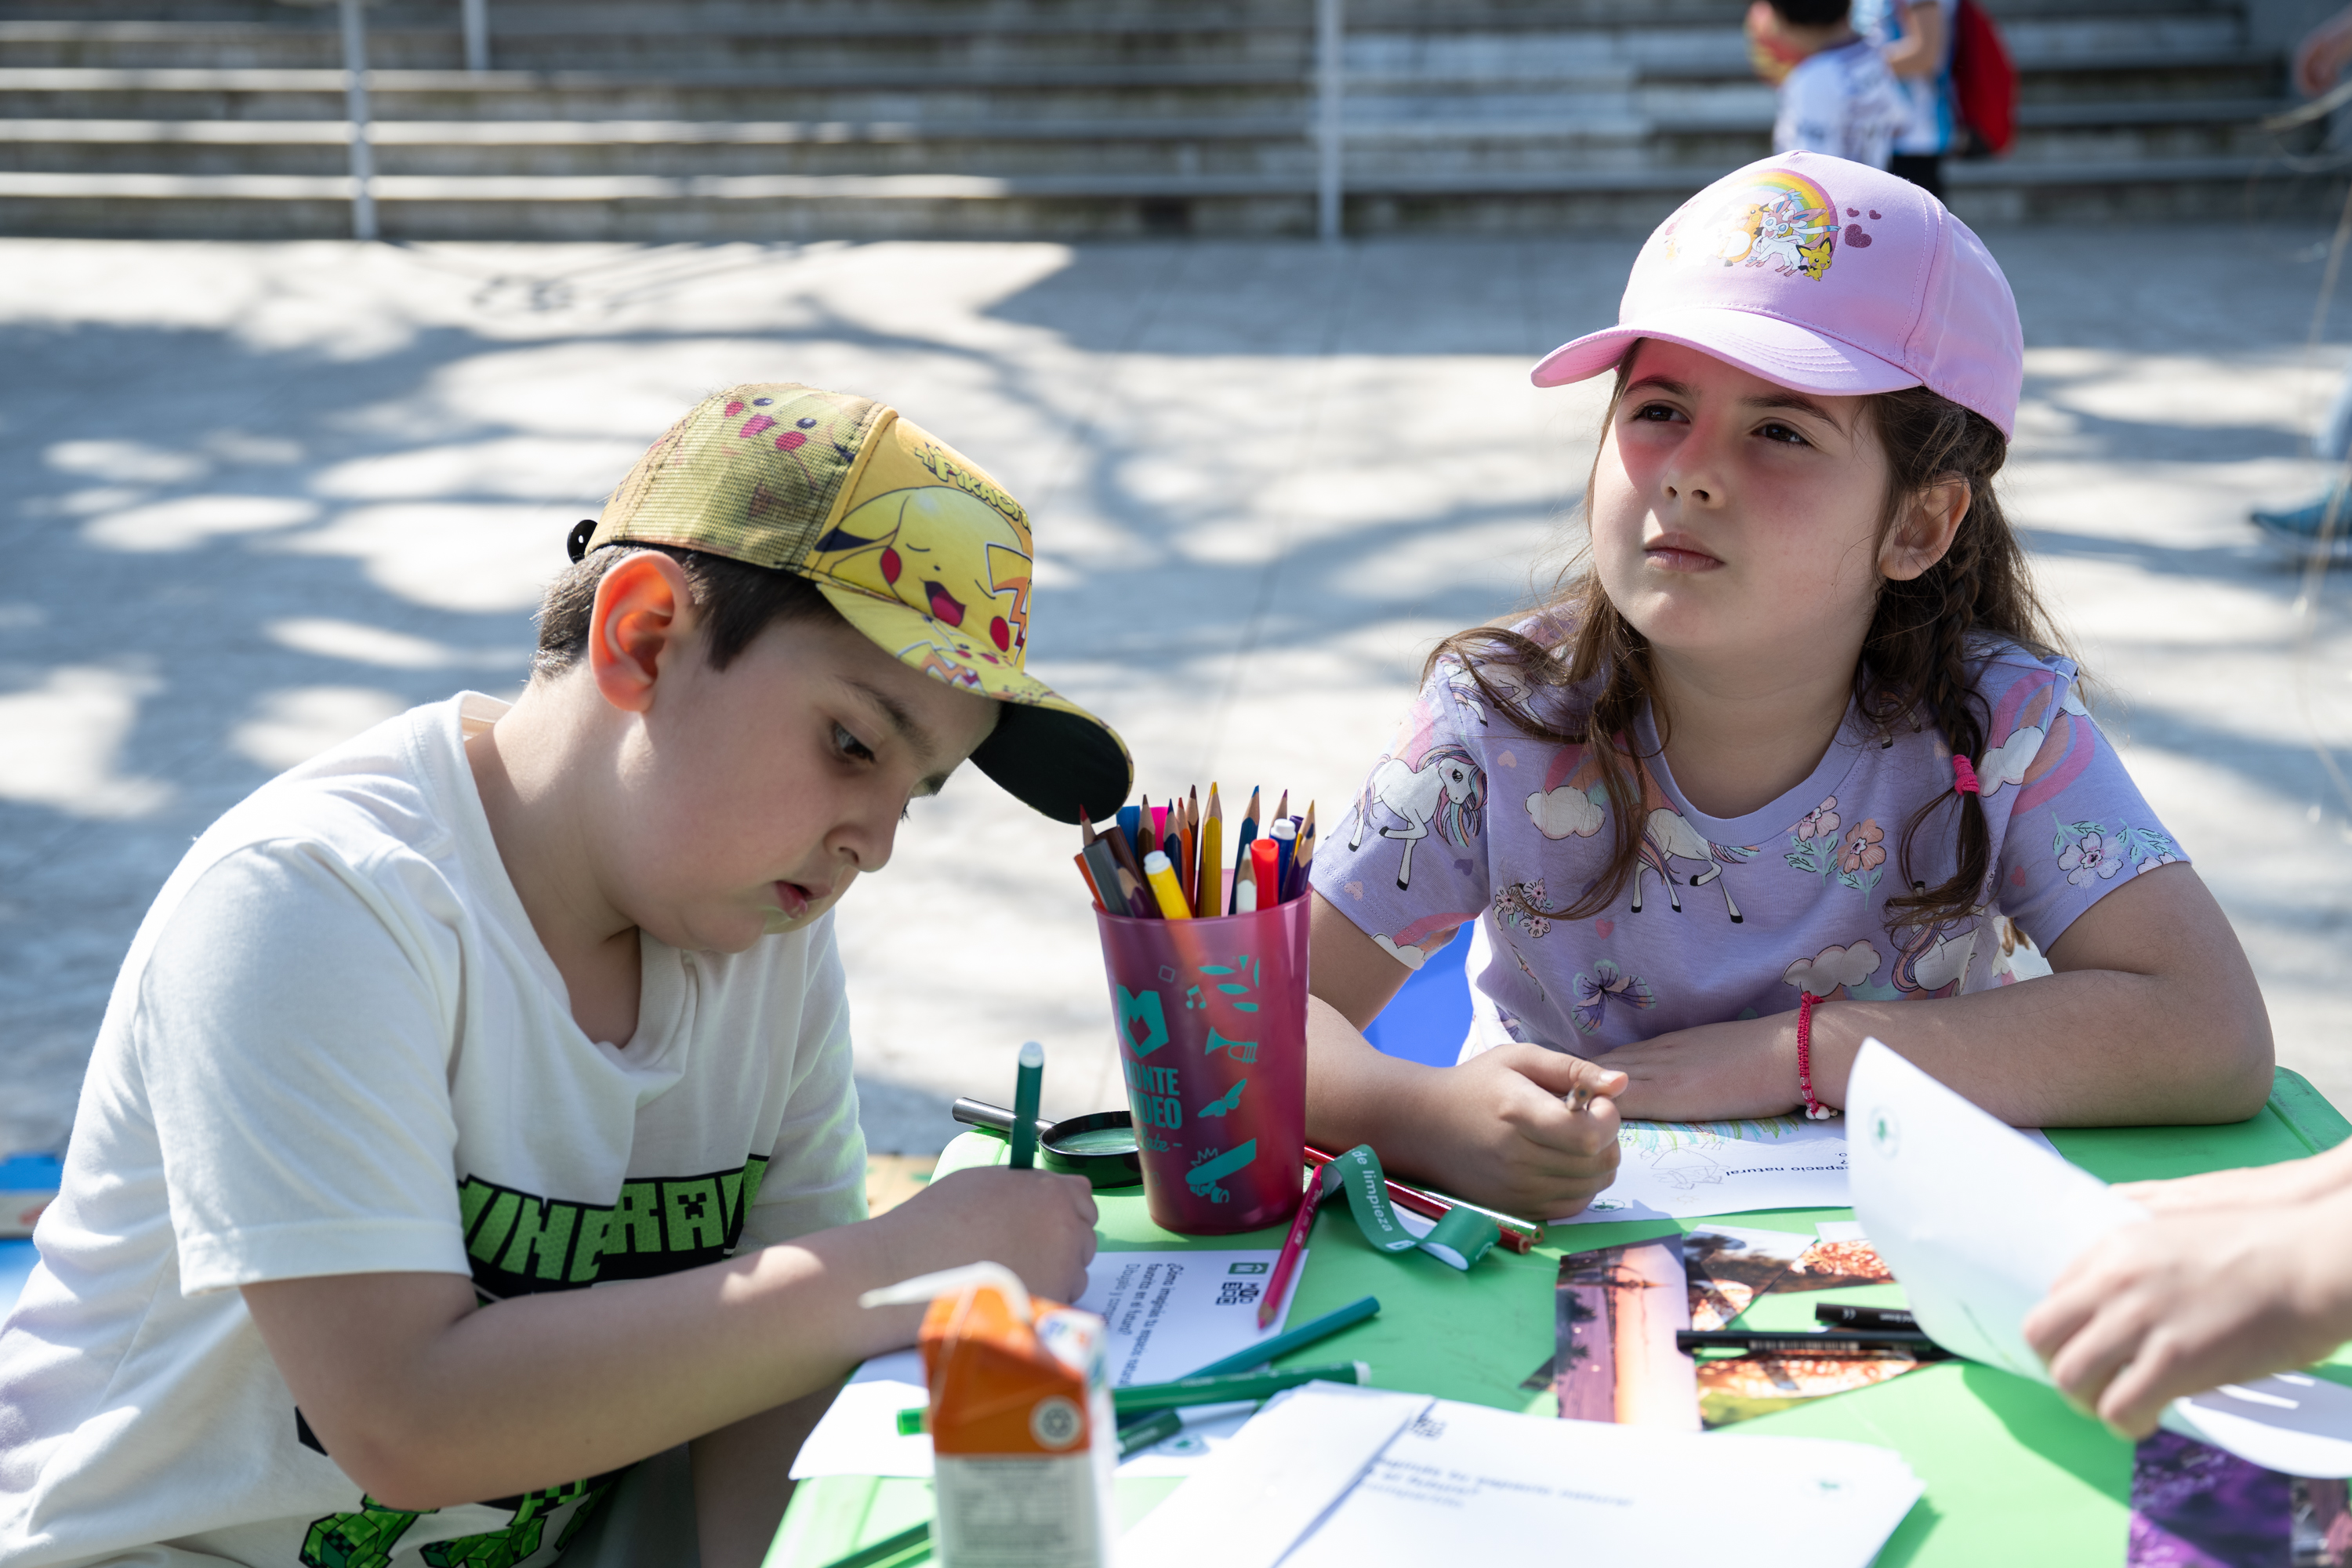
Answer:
(1241, 849)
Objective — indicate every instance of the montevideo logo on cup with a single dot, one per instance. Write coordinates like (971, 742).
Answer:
(1781, 220)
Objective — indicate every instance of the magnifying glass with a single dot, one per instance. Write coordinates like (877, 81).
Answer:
(1099, 1146)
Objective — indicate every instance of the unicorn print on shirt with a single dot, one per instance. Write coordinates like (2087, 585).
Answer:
(1425, 786)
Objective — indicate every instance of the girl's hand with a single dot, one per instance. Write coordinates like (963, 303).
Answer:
(1512, 1135)
(1718, 1072)
(2180, 1305)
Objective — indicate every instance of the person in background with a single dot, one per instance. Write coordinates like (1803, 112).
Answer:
(1837, 97)
(2319, 59)
(1915, 37)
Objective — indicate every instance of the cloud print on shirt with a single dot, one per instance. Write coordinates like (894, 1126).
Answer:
(2006, 763)
(1833, 967)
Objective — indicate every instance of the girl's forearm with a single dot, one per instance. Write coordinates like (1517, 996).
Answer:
(1355, 1094)
(2088, 1048)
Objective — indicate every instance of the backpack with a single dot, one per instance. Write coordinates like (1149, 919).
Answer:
(1984, 81)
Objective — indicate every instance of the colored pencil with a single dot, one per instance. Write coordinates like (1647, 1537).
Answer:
(1285, 836)
(1146, 832)
(1283, 808)
(1190, 1391)
(1027, 1083)
(1111, 877)
(1246, 889)
(1518, 1234)
(1243, 836)
(1182, 854)
(1164, 890)
(1265, 867)
(1251, 1357)
(1209, 898)
(1092, 886)
(1302, 857)
(1292, 1246)
(1150, 1431)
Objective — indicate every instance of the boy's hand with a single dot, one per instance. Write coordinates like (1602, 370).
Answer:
(1509, 1137)
(1037, 1223)
(2180, 1305)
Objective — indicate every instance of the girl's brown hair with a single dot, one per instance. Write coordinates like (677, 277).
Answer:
(1914, 664)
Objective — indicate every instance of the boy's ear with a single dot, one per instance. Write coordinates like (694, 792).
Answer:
(1925, 531)
(644, 616)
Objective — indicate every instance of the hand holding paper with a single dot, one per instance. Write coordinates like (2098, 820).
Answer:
(1939, 1185)
(2196, 1298)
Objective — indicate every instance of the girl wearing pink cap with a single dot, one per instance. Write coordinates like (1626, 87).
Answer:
(1790, 754)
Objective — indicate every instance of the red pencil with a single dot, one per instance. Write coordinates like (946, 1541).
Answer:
(1292, 1246)
(1087, 872)
(1518, 1234)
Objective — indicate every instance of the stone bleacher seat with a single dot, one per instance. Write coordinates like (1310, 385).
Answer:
(1064, 119)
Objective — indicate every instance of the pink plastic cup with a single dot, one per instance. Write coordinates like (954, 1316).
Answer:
(1211, 1022)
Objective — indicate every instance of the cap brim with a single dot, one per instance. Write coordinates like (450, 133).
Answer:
(1780, 351)
(1046, 750)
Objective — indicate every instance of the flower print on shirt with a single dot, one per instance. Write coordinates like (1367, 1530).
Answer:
(1595, 991)
(1853, 856)
(1864, 848)
(2091, 852)
(1522, 906)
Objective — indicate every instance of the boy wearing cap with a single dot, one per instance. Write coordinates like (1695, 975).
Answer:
(493, 1004)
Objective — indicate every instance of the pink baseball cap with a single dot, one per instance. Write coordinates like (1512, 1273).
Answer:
(1826, 275)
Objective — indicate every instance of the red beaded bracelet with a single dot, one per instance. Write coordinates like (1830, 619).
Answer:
(1814, 1109)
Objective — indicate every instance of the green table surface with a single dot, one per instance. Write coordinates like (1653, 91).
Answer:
(2010, 1470)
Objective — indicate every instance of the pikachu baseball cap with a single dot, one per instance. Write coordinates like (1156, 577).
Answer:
(910, 541)
(1824, 276)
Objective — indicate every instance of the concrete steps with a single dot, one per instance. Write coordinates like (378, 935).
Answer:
(802, 119)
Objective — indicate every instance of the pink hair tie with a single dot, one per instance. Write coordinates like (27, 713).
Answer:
(1964, 777)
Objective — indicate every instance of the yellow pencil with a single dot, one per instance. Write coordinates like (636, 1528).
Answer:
(1209, 898)
(1161, 872)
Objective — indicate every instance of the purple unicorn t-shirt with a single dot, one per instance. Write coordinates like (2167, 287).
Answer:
(1469, 820)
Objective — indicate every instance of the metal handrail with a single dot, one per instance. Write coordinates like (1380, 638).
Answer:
(355, 102)
(1331, 83)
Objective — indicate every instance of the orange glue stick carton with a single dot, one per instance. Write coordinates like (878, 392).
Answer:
(1023, 1440)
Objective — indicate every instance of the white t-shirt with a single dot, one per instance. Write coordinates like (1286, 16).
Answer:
(1843, 102)
(337, 1047)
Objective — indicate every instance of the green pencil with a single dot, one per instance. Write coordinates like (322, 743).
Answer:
(1189, 1391)
(1025, 1090)
(1299, 1338)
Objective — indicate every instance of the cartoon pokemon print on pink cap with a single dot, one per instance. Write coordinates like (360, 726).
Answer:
(1822, 276)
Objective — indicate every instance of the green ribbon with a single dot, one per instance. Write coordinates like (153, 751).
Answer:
(1459, 1240)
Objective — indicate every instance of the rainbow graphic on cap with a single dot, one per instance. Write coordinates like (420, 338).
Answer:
(1777, 219)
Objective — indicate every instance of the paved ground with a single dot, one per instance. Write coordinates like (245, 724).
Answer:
(264, 495)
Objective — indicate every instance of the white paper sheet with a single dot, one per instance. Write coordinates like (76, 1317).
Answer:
(1682, 1170)
(1170, 1313)
(1978, 1222)
(1246, 1507)
(1339, 1478)
(1679, 1170)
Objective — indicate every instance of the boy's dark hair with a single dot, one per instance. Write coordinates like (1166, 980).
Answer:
(1915, 668)
(736, 601)
(1812, 13)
